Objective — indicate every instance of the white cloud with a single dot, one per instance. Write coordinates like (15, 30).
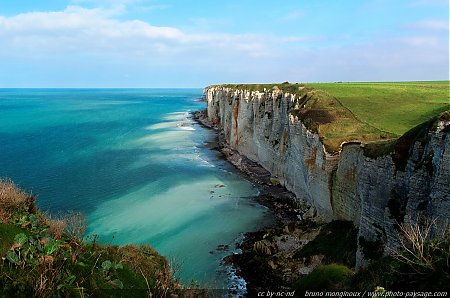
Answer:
(81, 21)
(420, 41)
(432, 25)
(294, 39)
(384, 59)
(123, 6)
(97, 31)
(106, 2)
(92, 47)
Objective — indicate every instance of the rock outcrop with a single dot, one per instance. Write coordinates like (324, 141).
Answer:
(375, 191)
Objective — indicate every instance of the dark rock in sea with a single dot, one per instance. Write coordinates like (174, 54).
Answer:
(223, 247)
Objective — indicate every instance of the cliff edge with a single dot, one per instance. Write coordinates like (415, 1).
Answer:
(347, 169)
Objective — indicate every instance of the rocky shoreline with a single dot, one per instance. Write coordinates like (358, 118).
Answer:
(267, 260)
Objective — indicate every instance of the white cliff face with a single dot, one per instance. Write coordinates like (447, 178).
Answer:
(259, 126)
(374, 193)
(388, 194)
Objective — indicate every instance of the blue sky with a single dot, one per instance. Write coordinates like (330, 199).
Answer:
(174, 43)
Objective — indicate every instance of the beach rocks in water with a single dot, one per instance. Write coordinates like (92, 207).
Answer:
(270, 255)
(267, 256)
(223, 247)
(183, 124)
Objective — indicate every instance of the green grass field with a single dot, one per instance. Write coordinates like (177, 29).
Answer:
(391, 107)
(364, 112)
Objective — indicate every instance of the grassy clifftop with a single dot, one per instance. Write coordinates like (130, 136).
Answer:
(392, 107)
(47, 257)
(365, 112)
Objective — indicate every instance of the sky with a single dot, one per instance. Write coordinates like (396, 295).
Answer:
(175, 43)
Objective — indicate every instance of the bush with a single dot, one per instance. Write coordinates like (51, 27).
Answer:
(424, 253)
(48, 257)
(420, 263)
(330, 277)
(55, 227)
(336, 241)
(75, 225)
(12, 200)
(382, 272)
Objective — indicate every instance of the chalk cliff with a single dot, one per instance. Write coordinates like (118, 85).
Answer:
(375, 191)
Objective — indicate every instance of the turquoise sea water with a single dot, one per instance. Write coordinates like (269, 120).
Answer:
(132, 160)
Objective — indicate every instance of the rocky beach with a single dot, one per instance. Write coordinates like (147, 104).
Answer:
(337, 201)
(266, 257)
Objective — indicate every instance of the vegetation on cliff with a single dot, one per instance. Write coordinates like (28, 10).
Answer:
(326, 260)
(375, 197)
(362, 112)
(421, 262)
(47, 257)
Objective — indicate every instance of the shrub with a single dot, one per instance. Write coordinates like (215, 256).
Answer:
(421, 262)
(336, 241)
(12, 199)
(55, 226)
(48, 257)
(424, 247)
(75, 225)
(330, 277)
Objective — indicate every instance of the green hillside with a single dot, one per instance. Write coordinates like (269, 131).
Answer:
(364, 112)
(391, 107)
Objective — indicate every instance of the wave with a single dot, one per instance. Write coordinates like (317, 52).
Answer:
(183, 126)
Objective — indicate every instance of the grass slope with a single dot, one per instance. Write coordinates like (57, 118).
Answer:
(391, 107)
(364, 112)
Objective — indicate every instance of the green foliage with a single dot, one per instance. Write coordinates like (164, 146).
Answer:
(380, 292)
(106, 265)
(421, 262)
(42, 258)
(12, 257)
(394, 107)
(67, 264)
(51, 247)
(110, 273)
(20, 239)
(330, 277)
(336, 241)
(7, 234)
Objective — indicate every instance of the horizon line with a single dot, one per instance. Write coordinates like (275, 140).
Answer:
(265, 83)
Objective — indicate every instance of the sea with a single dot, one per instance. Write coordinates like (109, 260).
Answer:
(134, 162)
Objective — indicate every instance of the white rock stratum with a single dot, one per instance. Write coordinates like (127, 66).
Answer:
(374, 193)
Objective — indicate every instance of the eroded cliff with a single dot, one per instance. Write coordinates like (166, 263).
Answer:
(375, 188)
